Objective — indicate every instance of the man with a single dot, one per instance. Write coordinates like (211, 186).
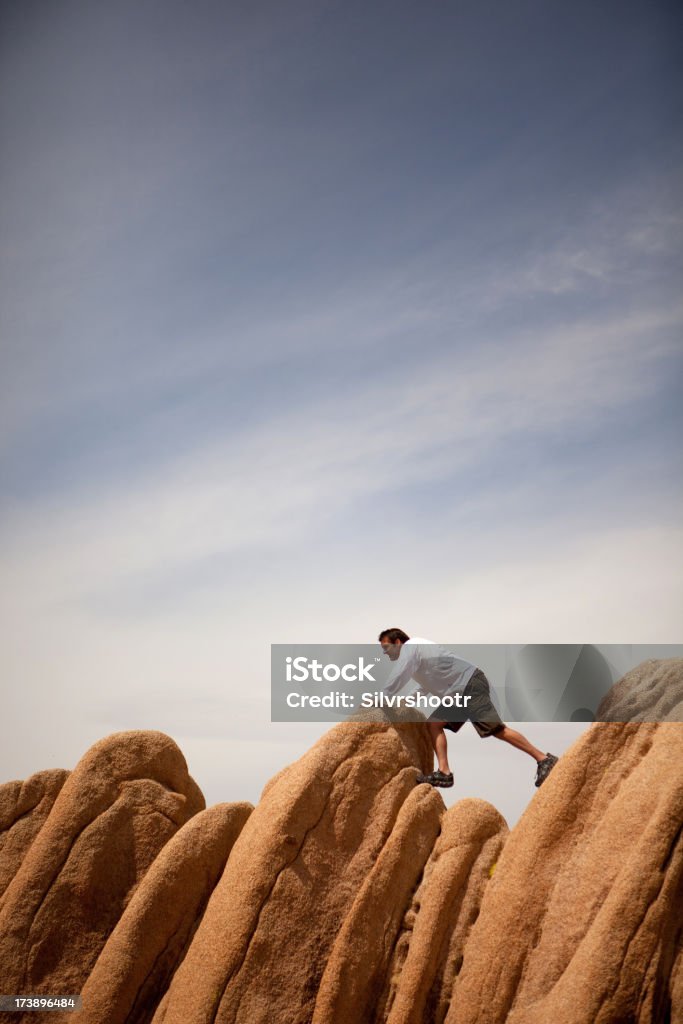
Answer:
(441, 673)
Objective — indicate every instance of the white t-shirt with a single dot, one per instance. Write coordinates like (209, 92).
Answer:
(432, 666)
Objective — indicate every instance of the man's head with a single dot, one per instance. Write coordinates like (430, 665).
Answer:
(392, 640)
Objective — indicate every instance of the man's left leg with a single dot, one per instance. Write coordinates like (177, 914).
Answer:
(487, 722)
(544, 762)
(516, 739)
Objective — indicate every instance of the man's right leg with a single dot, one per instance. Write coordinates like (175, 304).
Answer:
(442, 776)
(440, 744)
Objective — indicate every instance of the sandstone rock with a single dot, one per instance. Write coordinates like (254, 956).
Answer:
(338, 904)
(24, 807)
(124, 800)
(429, 952)
(676, 986)
(359, 959)
(292, 877)
(651, 692)
(579, 923)
(152, 936)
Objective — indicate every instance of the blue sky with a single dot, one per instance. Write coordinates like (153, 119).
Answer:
(323, 316)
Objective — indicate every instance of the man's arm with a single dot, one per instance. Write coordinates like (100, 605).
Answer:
(403, 670)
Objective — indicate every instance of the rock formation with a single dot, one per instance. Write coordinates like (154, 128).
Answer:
(675, 997)
(651, 692)
(142, 953)
(122, 803)
(24, 807)
(429, 953)
(360, 956)
(292, 877)
(349, 895)
(579, 921)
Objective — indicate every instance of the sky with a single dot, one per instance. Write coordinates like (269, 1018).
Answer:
(320, 318)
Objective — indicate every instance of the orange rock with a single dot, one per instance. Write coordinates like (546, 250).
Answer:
(24, 807)
(155, 930)
(338, 904)
(124, 800)
(651, 692)
(676, 987)
(579, 923)
(429, 952)
(292, 877)
(358, 963)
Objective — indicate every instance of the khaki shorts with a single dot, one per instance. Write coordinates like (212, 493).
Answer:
(479, 711)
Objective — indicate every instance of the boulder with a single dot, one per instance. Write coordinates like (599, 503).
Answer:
(651, 692)
(357, 965)
(579, 924)
(429, 952)
(24, 807)
(293, 876)
(134, 968)
(125, 799)
(676, 985)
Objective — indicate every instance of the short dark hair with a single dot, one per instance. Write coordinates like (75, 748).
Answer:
(392, 635)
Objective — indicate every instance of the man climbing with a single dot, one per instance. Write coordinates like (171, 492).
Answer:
(441, 673)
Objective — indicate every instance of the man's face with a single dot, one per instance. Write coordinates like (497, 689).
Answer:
(392, 650)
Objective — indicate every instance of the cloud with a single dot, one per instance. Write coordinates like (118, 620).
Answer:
(271, 485)
(132, 350)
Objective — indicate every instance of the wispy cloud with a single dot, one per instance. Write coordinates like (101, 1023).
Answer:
(271, 485)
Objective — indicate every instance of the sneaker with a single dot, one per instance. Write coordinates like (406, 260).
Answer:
(437, 778)
(544, 768)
